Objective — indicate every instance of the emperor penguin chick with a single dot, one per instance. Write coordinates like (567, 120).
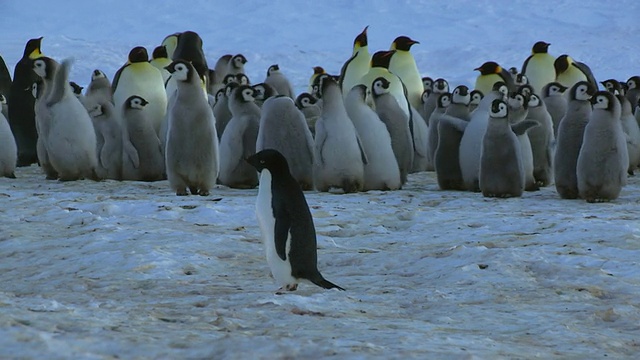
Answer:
(339, 156)
(192, 156)
(239, 140)
(279, 82)
(284, 128)
(311, 107)
(381, 171)
(138, 129)
(99, 88)
(555, 101)
(569, 139)
(632, 133)
(603, 161)
(542, 140)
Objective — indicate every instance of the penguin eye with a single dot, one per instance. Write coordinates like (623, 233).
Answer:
(262, 161)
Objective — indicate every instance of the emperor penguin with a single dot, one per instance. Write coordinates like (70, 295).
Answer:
(446, 160)
(476, 97)
(220, 70)
(427, 83)
(160, 60)
(613, 86)
(491, 73)
(397, 124)
(538, 67)
(501, 169)
(459, 106)
(471, 142)
(569, 139)
(317, 71)
(71, 140)
(603, 160)
(311, 108)
(46, 69)
(236, 64)
(444, 100)
(420, 133)
(5, 79)
(404, 66)
(111, 142)
(239, 139)
(284, 128)
(357, 65)
(138, 129)
(555, 101)
(170, 43)
(286, 224)
(5, 106)
(339, 155)
(263, 92)
(221, 108)
(381, 171)
(189, 48)
(542, 141)
(440, 86)
(99, 88)
(191, 154)
(21, 104)
(569, 72)
(139, 77)
(279, 81)
(633, 91)
(8, 149)
(518, 110)
(631, 132)
(380, 62)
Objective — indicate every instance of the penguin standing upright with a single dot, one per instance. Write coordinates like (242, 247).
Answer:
(538, 67)
(317, 71)
(404, 65)
(555, 101)
(138, 129)
(380, 68)
(236, 64)
(569, 72)
(99, 88)
(542, 140)
(632, 133)
(633, 91)
(279, 82)
(286, 224)
(356, 66)
(189, 48)
(8, 149)
(311, 108)
(160, 60)
(440, 86)
(139, 77)
(5, 79)
(491, 73)
(603, 161)
(21, 102)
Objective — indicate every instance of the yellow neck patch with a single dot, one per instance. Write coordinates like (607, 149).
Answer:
(35, 54)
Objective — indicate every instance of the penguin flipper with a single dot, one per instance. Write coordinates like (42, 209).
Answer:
(116, 79)
(343, 70)
(506, 77)
(587, 72)
(453, 122)
(60, 82)
(420, 139)
(363, 154)
(131, 152)
(524, 65)
(282, 231)
(321, 138)
(521, 127)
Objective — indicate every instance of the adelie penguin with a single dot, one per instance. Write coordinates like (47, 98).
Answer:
(286, 224)
(21, 101)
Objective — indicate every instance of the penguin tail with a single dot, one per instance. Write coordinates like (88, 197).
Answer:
(326, 284)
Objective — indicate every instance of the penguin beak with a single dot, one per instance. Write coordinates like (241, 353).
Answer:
(413, 42)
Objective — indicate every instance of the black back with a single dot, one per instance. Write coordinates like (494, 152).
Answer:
(5, 79)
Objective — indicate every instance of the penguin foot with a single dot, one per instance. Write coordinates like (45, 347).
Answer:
(193, 190)
(203, 192)
(288, 287)
(182, 192)
(630, 172)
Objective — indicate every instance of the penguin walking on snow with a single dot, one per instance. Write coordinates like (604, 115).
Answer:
(286, 224)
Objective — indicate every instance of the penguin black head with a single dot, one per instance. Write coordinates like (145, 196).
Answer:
(525, 89)
(219, 94)
(553, 89)
(425, 95)
(461, 90)
(499, 109)
(380, 86)
(513, 71)
(521, 79)
(318, 70)
(244, 94)
(633, 82)
(540, 47)
(270, 159)
(582, 91)
(160, 52)
(242, 79)
(136, 102)
(324, 82)
(476, 97)
(501, 86)
(517, 101)
(382, 59)
(138, 55)
(534, 101)
(97, 74)
(305, 100)
(273, 68)
(32, 49)
(461, 95)
(444, 100)
(403, 43)
(77, 89)
(440, 86)
(238, 61)
(489, 67)
(181, 70)
(604, 100)
(44, 67)
(228, 89)
(427, 83)
(264, 91)
(361, 39)
(561, 64)
(613, 86)
(229, 78)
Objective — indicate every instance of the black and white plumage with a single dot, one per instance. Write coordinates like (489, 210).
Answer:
(279, 81)
(286, 224)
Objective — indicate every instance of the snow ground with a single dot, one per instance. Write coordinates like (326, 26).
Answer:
(128, 270)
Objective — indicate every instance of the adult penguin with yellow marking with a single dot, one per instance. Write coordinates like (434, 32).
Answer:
(139, 77)
(286, 224)
(404, 65)
(189, 47)
(538, 67)
(491, 73)
(170, 43)
(380, 68)
(21, 102)
(357, 65)
(569, 72)
(160, 60)
(603, 161)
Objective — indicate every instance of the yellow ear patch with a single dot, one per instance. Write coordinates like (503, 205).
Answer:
(35, 54)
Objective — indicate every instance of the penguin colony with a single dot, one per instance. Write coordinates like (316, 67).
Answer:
(174, 117)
